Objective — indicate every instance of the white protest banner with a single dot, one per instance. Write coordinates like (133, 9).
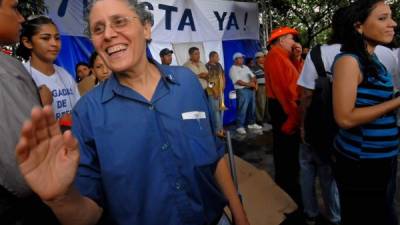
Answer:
(176, 21)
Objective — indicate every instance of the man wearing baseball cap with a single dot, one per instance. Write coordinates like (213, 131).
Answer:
(166, 56)
(245, 84)
(282, 67)
(262, 114)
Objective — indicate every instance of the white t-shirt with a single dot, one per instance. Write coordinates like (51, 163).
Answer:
(328, 53)
(62, 86)
(396, 79)
(242, 73)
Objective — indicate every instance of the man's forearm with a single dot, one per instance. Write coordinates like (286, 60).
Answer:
(75, 209)
(225, 182)
(242, 83)
(203, 75)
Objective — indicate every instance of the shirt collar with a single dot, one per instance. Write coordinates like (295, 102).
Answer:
(112, 86)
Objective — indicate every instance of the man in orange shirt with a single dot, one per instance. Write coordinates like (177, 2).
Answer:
(282, 67)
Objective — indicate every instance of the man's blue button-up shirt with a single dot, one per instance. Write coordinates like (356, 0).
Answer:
(149, 162)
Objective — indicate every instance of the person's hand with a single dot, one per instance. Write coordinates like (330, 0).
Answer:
(47, 159)
(203, 75)
(45, 95)
(297, 50)
(252, 84)
(291, 125)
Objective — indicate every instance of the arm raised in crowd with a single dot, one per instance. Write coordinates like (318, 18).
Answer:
(48, 160)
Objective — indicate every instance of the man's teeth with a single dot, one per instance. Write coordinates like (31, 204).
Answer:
(115, 49)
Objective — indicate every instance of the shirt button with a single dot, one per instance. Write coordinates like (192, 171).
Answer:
(151, 107)
(164, 146)
(178, 186)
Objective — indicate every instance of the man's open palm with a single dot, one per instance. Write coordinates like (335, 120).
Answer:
(48, 159)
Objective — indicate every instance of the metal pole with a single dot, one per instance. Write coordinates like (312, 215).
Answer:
(265, 23)
(232, 159)
(270, 16)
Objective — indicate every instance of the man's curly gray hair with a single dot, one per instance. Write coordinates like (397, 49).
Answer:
(145, 16)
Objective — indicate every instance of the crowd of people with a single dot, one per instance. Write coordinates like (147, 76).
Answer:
(135, 141)
(357, 170)
(249, 84)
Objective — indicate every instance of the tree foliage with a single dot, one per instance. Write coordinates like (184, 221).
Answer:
(32, 7)
(313, 17)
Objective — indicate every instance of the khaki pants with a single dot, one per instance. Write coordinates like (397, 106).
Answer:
(262, 114)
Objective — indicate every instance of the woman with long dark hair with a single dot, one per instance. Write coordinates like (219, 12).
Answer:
(40, 45)
(364, 108)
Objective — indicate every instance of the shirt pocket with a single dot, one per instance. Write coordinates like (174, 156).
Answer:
(197, 127)
(200, 141)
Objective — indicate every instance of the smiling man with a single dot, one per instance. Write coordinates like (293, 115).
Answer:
(144, 152)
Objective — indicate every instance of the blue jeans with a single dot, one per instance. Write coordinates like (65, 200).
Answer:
(310, 167)
(216, 113)
(246, 107)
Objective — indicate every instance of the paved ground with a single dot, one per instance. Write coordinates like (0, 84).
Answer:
(257, 149)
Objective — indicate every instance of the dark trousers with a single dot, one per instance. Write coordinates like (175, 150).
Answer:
(286, 154)
(366, 190)
(24, 211)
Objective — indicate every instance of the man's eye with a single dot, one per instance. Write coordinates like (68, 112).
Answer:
(119, 22)
(98, 29)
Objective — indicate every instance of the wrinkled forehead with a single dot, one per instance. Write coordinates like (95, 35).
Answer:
(104, 9)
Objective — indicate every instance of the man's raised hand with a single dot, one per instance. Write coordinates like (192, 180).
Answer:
(47, 159)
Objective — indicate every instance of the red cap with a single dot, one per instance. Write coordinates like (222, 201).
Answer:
(281, 31)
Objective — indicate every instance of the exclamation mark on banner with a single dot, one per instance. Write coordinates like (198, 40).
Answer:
(85, 8)
(245, 21)
(63, 8)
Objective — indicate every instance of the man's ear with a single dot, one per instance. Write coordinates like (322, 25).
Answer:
(359, 27)
(26, 42)
(147, 30)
